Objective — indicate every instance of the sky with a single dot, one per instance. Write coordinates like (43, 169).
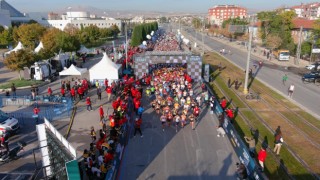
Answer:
(192, 6)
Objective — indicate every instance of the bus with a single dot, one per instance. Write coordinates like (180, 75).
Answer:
(282, 55)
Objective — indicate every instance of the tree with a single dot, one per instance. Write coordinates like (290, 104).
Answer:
(306, 48)
(106, 32)
(136, 37)
(1, 29)
(115, 30)
(196, 22)
(49, 43)
(316, 32)
(273, 41)
(29, 34)
(163, 19)
(16, 61)
(67, 43)
(32, 21)
(5, 37)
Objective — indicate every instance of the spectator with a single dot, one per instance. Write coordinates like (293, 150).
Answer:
(137, 127)
(140, 111)
(62, 92)
(13, 90)
(101, 113)
(290, 90)
(223, 103)
(93, 134)
(278, 142)
(262, 155)
(49, 91)
(252, 144)
(99, 92)
(36, 111)
(73, 93)
(88, 103)
(220, 131)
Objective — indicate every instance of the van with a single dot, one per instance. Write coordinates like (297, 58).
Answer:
(8, 125)
(282, 55)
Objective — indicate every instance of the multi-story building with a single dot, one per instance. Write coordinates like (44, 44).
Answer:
(219, 13)
(82, 19)
(308, 11)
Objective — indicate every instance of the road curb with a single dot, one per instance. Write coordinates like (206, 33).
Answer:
(25, 87)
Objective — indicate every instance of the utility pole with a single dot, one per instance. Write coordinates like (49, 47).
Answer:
(297, 61)
(245, 90)
(203, 38)
(125, 29)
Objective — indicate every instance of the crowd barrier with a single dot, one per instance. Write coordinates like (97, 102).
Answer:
(238, 145)
(52, 108)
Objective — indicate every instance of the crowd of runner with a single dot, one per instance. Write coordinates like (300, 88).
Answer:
(172, 97)
(167, 42)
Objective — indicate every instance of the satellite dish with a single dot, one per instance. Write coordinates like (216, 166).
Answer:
(148, 36)
(144, 43)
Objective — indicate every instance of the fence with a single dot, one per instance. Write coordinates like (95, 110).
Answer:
(52, 108)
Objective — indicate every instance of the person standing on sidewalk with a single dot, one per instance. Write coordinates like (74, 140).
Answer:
(101, 113)
(290, 90)
(262, 155)
(137, 127)
(278, 142)
(13, 90)
(109, 91)
(99, 92)
(284, 79)
(88, 103)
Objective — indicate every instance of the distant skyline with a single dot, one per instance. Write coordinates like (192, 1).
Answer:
(192, 6)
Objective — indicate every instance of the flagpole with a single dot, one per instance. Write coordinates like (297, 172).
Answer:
(125, 29)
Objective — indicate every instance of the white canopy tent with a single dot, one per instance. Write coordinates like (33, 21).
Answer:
(17, 48)
(105, 68)
(83, 50)
(38, 48)
(73, 71)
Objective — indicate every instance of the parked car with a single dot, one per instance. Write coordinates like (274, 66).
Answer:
(311, 77)
(312, 66)
(8, 125)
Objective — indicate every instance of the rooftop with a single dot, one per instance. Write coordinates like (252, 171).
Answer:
(13, 12)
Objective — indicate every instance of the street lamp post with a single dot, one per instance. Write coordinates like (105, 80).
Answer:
(245, 90)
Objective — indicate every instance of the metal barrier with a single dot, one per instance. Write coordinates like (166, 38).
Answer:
(52, 108)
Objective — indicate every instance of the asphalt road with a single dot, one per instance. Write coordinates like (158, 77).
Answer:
(187, 154)
(305, 95)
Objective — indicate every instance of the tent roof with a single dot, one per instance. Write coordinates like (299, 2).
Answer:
(73, 71)
(18, 47)
(39, 47)
(105, 63)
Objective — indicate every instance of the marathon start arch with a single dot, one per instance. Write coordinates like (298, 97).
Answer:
(144, 63)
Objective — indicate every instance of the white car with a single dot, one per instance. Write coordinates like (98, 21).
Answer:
(312, 66)
(8, 124)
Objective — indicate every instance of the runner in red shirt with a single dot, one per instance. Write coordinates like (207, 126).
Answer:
(137, 126)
